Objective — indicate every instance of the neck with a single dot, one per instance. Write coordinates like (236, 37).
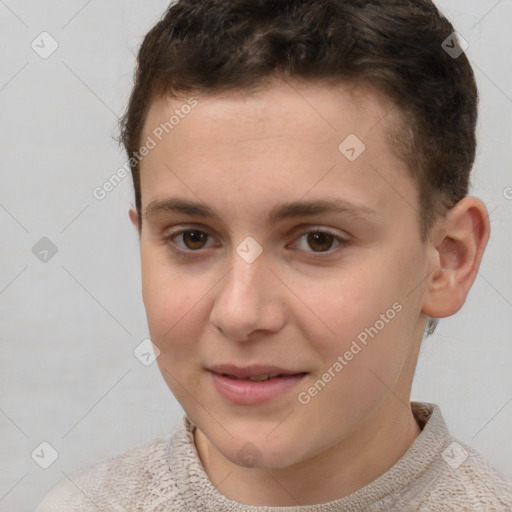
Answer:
(378, 443)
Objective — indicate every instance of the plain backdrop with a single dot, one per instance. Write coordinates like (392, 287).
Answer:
(69, 325)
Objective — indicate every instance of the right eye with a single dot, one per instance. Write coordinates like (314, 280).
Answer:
(187, 241)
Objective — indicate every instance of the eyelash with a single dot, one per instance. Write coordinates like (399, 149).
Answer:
(189, 253)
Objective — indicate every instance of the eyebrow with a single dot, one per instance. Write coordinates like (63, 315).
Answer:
(278, 213)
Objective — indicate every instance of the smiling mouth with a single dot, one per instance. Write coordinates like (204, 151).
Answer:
(255, 389)
(260, 378)
(258, 371)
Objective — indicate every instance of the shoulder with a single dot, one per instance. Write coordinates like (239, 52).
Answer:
(449, 473)
(138, 479)
(480, 483)
(462, 479)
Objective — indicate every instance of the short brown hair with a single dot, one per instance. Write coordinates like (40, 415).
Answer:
(396, 46)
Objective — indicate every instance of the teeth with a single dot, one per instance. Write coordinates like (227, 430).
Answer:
(255, 379)
(264, 377)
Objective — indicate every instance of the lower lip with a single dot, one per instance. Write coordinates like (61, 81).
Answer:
(247, 392)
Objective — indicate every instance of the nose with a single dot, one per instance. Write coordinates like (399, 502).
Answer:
(249, 301)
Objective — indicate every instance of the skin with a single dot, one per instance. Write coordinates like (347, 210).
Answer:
(242, 155)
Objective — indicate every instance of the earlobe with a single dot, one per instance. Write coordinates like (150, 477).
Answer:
(456, 257)
(134, 217)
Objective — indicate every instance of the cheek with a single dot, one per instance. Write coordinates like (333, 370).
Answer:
(360, 317)
(362, 360)
(173, 302)
(170, 298)
(336, 308)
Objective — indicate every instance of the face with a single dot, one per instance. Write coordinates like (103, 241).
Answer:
(302, 252)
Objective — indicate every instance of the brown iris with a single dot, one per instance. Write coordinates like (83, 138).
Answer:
(323, 241)
(194, 239)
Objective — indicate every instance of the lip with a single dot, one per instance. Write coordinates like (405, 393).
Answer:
(255, 370)
(246, 392)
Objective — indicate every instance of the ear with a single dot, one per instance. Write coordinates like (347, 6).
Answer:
(458, 246)
(134, 217)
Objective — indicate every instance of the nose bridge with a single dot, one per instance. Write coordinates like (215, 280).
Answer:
(245, 281)
(248, 269)
(246, 301)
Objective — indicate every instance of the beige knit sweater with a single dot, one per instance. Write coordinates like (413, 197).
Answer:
(435, 474)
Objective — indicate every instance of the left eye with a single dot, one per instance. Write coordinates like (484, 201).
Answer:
(320, 241)
(191, 239)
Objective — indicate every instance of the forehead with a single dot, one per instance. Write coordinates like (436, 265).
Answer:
(320, 107)
(283, 140)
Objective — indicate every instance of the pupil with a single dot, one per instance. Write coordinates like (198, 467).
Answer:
(322, 239)
(194, 239)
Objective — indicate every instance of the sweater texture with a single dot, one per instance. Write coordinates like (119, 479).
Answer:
(437, 473)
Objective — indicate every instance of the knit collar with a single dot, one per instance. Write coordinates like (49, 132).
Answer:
(200, 494)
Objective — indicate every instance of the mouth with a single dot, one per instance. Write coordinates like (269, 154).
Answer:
(257, 371)
(261, 378)
(254, 385)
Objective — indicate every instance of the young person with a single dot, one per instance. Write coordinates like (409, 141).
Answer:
(301, 174)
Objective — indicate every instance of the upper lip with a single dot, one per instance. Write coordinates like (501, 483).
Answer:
(256, 370)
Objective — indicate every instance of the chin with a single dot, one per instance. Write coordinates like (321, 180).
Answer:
(260, 453)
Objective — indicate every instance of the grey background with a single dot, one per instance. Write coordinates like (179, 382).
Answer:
(68, 375)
